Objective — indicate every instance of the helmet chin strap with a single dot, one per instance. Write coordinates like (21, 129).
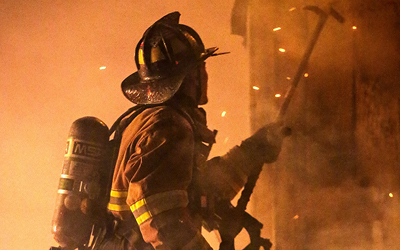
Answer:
(198, 86)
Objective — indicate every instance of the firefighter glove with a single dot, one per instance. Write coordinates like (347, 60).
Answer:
(266, 143)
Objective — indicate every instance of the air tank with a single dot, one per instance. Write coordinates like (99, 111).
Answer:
(82, 191)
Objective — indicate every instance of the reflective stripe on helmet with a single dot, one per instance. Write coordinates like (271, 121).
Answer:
(156, 55)
(118, 200)
(140, 56)
(148, 207)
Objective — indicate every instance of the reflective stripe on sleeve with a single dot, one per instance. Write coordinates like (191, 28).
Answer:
(117, 208)
(119, 194)
(148, 207)
(118, 201)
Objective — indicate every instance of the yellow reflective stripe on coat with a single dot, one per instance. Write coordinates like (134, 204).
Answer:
(119, 194)
(142, 218)
(148, 207)
(118, 208)
(118, 201)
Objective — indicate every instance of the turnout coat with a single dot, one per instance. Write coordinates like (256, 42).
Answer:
(163, 184)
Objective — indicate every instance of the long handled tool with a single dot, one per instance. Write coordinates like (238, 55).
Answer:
(323, 16)
(251, 182)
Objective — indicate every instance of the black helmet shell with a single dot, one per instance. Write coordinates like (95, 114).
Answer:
(164, 55)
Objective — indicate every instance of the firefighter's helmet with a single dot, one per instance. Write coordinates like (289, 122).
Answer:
(164, 55)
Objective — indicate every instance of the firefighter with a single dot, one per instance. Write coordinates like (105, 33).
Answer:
(163, 186)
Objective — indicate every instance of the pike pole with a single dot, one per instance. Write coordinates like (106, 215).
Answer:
(323, 16)
(251, 182)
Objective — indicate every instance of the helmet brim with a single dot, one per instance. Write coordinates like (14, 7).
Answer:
(155, 91)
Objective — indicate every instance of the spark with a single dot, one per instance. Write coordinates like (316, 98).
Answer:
(277, 28)
(354, 27)
(288, 78)
(305, 74)
(223, 114)
(256, 88)
(292, 9)
(277, 95)
(102, 67)
(226, 140)
(391, 195)
(282, 50)
(296, 217)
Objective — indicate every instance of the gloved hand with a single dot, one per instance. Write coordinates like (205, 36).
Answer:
(266, 143)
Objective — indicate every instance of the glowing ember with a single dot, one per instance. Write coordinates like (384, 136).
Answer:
(305, 74)
(256, 88)
(277, 95)
(223, 114)
(277, 28)
(102, 67)
(292, 9)
(282, 50)
(296, 217)
(288, 78)
(390, 195)
(354, 27)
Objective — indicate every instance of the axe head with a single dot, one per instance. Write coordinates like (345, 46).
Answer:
(331, 12)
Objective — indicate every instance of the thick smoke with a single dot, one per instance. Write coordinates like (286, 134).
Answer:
(335, 185)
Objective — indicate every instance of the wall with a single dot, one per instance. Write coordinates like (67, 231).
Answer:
(330, 187)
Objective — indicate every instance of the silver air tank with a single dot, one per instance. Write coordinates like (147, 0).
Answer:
(82, 190)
